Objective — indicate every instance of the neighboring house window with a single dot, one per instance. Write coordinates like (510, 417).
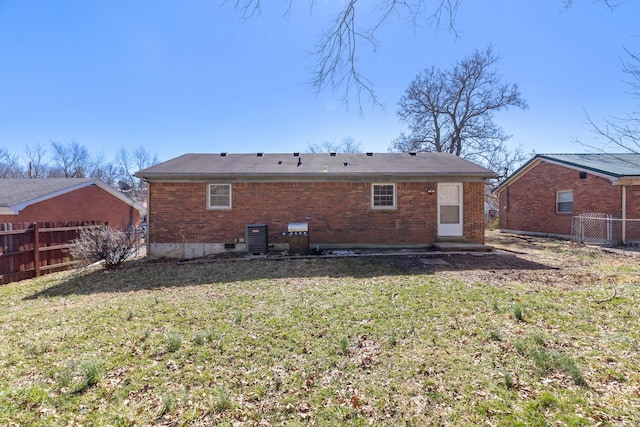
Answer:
(383, 196)
(564, 201)
(219, 196)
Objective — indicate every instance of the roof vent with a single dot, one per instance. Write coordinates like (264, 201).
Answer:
(369, 154)
(346, 164)
(279, 162)
(412, 153)
(332, 154)
(223, 154)
(296, 154)
(259, 154)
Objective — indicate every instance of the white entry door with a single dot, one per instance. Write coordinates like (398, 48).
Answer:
(450, 209)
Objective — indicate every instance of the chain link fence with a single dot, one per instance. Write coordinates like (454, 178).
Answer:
(603, 229)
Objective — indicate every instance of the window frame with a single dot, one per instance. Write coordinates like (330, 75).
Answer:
(558, 202)
(219, 207)
(373, 196)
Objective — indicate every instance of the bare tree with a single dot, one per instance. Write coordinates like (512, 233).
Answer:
(129, 162)
(111, 173)
(10, 165)
(73, 160)
(622, 132)
(452, 111)
(38, 165)
(347, 145)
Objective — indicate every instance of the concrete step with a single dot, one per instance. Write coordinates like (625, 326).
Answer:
(461, 247)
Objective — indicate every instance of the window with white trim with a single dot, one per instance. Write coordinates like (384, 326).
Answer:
(564, 201)
(219, 196)
(383, 196)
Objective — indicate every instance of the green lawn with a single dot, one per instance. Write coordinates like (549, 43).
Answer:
(339, 341)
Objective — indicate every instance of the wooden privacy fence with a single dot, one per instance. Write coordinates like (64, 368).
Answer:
(30, 250)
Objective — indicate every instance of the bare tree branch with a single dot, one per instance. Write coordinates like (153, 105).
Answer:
(347, 145)
(620, 132)
(38, 162)
(10, 165)
(336, 53)
(615, 293)
(608, 3)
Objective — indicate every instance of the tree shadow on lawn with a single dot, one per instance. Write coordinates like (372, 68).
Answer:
(157, 274)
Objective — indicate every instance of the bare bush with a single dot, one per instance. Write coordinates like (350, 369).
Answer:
(103, 243)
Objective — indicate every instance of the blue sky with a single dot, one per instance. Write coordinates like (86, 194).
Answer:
(193, 76)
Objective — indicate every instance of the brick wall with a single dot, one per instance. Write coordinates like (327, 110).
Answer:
(633, 202)
(337, 212)
(84, 204)
(531, 204)
(474, 211)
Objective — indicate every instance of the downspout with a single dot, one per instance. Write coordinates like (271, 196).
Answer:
(624, 214)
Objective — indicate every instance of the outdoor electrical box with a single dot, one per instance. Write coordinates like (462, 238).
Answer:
(256, 238)
(298, 233)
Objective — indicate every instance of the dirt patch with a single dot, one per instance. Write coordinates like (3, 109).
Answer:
(528, 259)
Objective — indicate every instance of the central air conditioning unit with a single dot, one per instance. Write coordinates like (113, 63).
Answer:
(256, 238)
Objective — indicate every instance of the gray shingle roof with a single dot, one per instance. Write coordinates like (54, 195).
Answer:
(314, 165)
(15, 191)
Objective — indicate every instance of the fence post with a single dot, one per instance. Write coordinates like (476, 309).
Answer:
(581, 234)
(36, 250)
(610, 241)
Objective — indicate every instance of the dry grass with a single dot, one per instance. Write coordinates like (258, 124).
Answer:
(351, 341)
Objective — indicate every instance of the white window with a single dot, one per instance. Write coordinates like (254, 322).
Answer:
(564, 201)
(219, 196)
(383, 196)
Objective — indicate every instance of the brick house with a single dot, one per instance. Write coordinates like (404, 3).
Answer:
(546, 192)
(200, 204)
(65, 200)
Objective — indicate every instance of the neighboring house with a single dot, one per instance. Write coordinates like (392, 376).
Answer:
(65, 200)
(200, 204)
(545, 193)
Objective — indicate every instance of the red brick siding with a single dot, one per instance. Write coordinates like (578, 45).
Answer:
(337, 212)
(532, 199)
(633, 201)
(473, 205)
(84, 204)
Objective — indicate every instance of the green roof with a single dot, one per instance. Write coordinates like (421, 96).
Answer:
(615, 165)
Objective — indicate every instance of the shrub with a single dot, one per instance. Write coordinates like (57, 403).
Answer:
(103, 243)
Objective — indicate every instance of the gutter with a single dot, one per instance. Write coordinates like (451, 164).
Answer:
(315, 177)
